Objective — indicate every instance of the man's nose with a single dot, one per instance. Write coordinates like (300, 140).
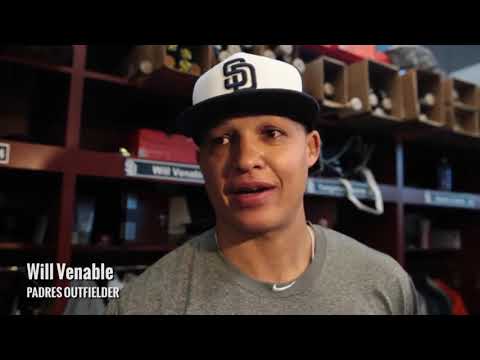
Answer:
(248, 154)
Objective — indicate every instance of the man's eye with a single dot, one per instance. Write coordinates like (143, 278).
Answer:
(221, 140)
(273, 133)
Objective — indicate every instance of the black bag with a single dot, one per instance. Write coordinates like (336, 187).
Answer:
(413, 57)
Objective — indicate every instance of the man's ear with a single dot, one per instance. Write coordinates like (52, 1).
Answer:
(314, 144)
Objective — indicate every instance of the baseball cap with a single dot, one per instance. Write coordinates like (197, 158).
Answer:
(246, 84)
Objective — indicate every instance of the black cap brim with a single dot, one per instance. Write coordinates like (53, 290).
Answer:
(198, 119)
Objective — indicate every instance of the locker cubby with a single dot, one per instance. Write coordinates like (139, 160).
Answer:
(324, 74)
(424, 98)
(384, 81)
(33, 104)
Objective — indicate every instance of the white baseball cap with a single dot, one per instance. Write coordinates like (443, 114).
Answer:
(246, 84)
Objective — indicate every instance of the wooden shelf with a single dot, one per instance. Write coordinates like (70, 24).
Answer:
(427, 124)
(367, 123)
(441, 135)
(28, 156)
(22, 247)
(108, 78)
(36, 64)
(426, 197)
(407, 130)
(167, 81)
(19, 254)
(458, 106)
(101, 164)
(110, 165)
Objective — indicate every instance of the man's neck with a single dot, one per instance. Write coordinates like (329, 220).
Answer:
(279, 256)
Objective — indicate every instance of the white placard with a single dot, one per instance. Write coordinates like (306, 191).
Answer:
(4, 153)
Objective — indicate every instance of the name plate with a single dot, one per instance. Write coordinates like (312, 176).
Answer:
(332, 187)
(4, 153)
(160, 170)
(458, 200)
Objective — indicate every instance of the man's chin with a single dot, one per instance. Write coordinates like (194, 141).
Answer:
(255, 224)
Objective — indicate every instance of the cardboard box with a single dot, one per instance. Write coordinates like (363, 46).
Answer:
(382, 57)
(346, 53)
(157, 145)
(461, 93)
(327, 70)
(385, 78)
(359, 51)
(424, 99)
(463, 121)
(462, 100)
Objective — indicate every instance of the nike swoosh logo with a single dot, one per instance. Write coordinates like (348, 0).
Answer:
(282, 288)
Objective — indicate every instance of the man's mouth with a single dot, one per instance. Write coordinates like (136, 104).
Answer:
(249, 187)
(250, 195)
(252, 190)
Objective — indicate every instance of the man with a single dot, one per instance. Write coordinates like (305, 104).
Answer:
(253, 126)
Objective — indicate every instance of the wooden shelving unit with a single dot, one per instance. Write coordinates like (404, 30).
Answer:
(36, 64)
(20, 247)
(108, 78)
(73, 162)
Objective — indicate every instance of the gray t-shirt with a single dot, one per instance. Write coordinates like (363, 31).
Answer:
(345, 277)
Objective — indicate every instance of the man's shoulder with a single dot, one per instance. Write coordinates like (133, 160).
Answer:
(358, 266)
(355, 252)
(168, 275)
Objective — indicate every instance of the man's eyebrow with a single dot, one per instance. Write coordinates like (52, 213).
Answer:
(271, 123)
(218, 129)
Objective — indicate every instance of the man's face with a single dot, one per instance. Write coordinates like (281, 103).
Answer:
(256, 169)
